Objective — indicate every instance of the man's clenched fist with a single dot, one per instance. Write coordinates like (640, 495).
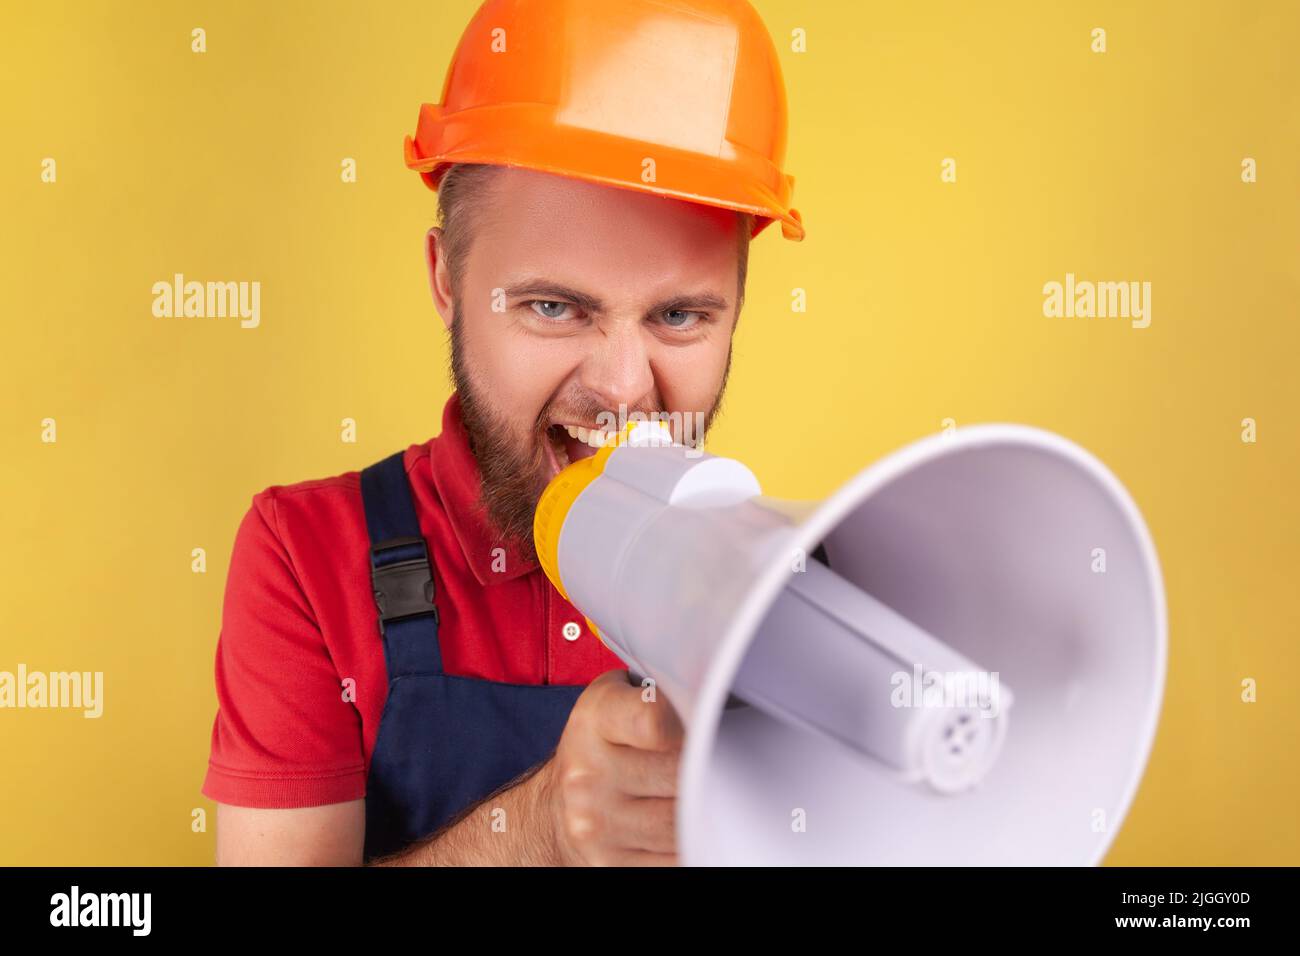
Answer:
(611, 788)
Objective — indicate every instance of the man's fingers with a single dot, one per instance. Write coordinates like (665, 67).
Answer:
(642, 858)
(624, 717)
(645, 823)
(617, 777)
(644, 773)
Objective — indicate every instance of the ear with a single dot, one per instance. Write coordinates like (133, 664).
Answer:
(439, 276)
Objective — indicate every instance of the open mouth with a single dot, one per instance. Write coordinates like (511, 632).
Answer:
(570, 443)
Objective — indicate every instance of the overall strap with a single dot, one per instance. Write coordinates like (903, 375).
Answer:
(400, 572)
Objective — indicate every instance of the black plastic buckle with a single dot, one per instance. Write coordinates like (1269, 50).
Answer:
(405, 588)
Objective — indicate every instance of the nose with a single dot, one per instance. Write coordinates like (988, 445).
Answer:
(618, 370)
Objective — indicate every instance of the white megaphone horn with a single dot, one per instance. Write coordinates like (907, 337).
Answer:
(957, 658)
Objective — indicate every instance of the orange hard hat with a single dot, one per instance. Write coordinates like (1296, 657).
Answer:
(681, 98)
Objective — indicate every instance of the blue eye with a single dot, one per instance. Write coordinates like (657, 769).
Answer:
(683, 320)
(543, 303)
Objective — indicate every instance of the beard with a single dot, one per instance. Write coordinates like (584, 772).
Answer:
(516, 469)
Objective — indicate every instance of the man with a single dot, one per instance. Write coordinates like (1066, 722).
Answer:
(398, 682)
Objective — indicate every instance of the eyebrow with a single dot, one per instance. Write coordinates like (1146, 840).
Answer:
(544, 289)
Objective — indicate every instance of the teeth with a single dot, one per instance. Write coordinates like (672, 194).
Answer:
(590, 437)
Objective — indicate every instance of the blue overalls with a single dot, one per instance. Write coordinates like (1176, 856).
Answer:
(445, 742)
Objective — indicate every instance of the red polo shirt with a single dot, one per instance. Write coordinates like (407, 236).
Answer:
(301, 681)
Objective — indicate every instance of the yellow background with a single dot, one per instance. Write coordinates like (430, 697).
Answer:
(925, 303)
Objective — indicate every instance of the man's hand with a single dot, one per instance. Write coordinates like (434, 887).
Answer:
(611, 788)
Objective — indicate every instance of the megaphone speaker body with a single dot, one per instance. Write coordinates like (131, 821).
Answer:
(957, 658)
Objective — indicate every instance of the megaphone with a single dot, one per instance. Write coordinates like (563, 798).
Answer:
(957, 658)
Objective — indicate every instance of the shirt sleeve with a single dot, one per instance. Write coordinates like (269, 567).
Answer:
(283, 735)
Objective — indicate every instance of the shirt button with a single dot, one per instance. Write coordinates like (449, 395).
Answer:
(572, 631)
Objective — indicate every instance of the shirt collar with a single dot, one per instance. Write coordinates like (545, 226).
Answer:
(457, 477)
